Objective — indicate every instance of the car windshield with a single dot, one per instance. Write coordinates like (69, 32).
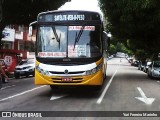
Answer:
(142, 63)
(157, 64)
(30, 61)
(148, 63)
(2, 62)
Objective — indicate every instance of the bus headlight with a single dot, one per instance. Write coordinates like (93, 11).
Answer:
(94, 70)
(42, 71)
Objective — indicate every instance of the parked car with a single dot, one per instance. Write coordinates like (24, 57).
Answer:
(25, 68)
(130, 60)
(141, 65)
(145, 69)
(154, 69)
(135, 63)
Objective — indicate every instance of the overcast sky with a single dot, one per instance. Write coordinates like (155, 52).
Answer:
(91, 5)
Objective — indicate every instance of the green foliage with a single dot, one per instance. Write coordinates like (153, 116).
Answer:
(135, 20)
(26, 11)
(112, 49)
(119, 47)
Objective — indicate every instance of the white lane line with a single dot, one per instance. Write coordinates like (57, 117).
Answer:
(7, 87)
(144, 98)
(54, 97)
(106, 88)
(21, 93)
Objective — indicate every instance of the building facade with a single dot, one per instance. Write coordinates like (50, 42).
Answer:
(17, 38)
(16, 45)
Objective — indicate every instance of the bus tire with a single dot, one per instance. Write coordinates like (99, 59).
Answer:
(53, 87)
(104, 76)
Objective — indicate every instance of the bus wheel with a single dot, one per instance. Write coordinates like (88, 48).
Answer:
(53, 87)
(104, 76)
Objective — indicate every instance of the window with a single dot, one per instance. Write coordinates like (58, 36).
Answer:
(21, 46)
(7, 45)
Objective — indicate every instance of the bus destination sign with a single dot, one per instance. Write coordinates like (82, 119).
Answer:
(59, 17)
(68, 17)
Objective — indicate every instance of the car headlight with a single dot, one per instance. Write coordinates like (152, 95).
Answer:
(31, 69)
(94, 70)
(42, 71)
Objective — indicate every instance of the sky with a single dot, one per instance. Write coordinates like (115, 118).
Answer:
(91, 5)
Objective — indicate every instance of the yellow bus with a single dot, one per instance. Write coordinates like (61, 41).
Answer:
(70, 49)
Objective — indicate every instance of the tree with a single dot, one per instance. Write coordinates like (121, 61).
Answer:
(24, 11)
(112, 49)
(135, 20)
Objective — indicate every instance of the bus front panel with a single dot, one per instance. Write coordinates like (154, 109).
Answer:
(89, 74)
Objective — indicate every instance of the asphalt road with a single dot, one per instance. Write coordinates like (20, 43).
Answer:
(127, 94)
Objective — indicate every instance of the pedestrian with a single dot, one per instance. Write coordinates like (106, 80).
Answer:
(2, 73)
(120, 59)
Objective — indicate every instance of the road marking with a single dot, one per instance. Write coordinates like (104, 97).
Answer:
(23, 79)
(144, 99)
(106, 88)
(54, 97)
(7, 87)
(21, 93)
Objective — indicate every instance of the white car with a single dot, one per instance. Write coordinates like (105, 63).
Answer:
(145, 69)
(154, 69)
(25, 68)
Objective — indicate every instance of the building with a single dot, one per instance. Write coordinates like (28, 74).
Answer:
(17, 38)
(16, 45)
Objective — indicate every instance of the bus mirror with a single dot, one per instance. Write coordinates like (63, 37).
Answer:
(106, 39)
(105, 43)
(30, 30)
(31, 27)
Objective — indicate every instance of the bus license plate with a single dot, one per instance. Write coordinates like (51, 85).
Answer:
(67, 79)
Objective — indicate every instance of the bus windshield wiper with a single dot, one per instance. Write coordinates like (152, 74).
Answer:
(56, 35)
(77, 38)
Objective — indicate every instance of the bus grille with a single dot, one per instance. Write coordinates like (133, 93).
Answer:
(78, 72)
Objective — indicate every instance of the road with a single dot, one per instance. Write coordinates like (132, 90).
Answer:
(125, 90)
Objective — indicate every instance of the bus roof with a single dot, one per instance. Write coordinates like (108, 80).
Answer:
(55, 11)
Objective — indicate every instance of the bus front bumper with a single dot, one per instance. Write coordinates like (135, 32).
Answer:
(95, 79)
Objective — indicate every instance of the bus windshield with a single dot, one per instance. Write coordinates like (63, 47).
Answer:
(69, 41)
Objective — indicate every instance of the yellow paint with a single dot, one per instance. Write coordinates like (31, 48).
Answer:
(94, 79)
